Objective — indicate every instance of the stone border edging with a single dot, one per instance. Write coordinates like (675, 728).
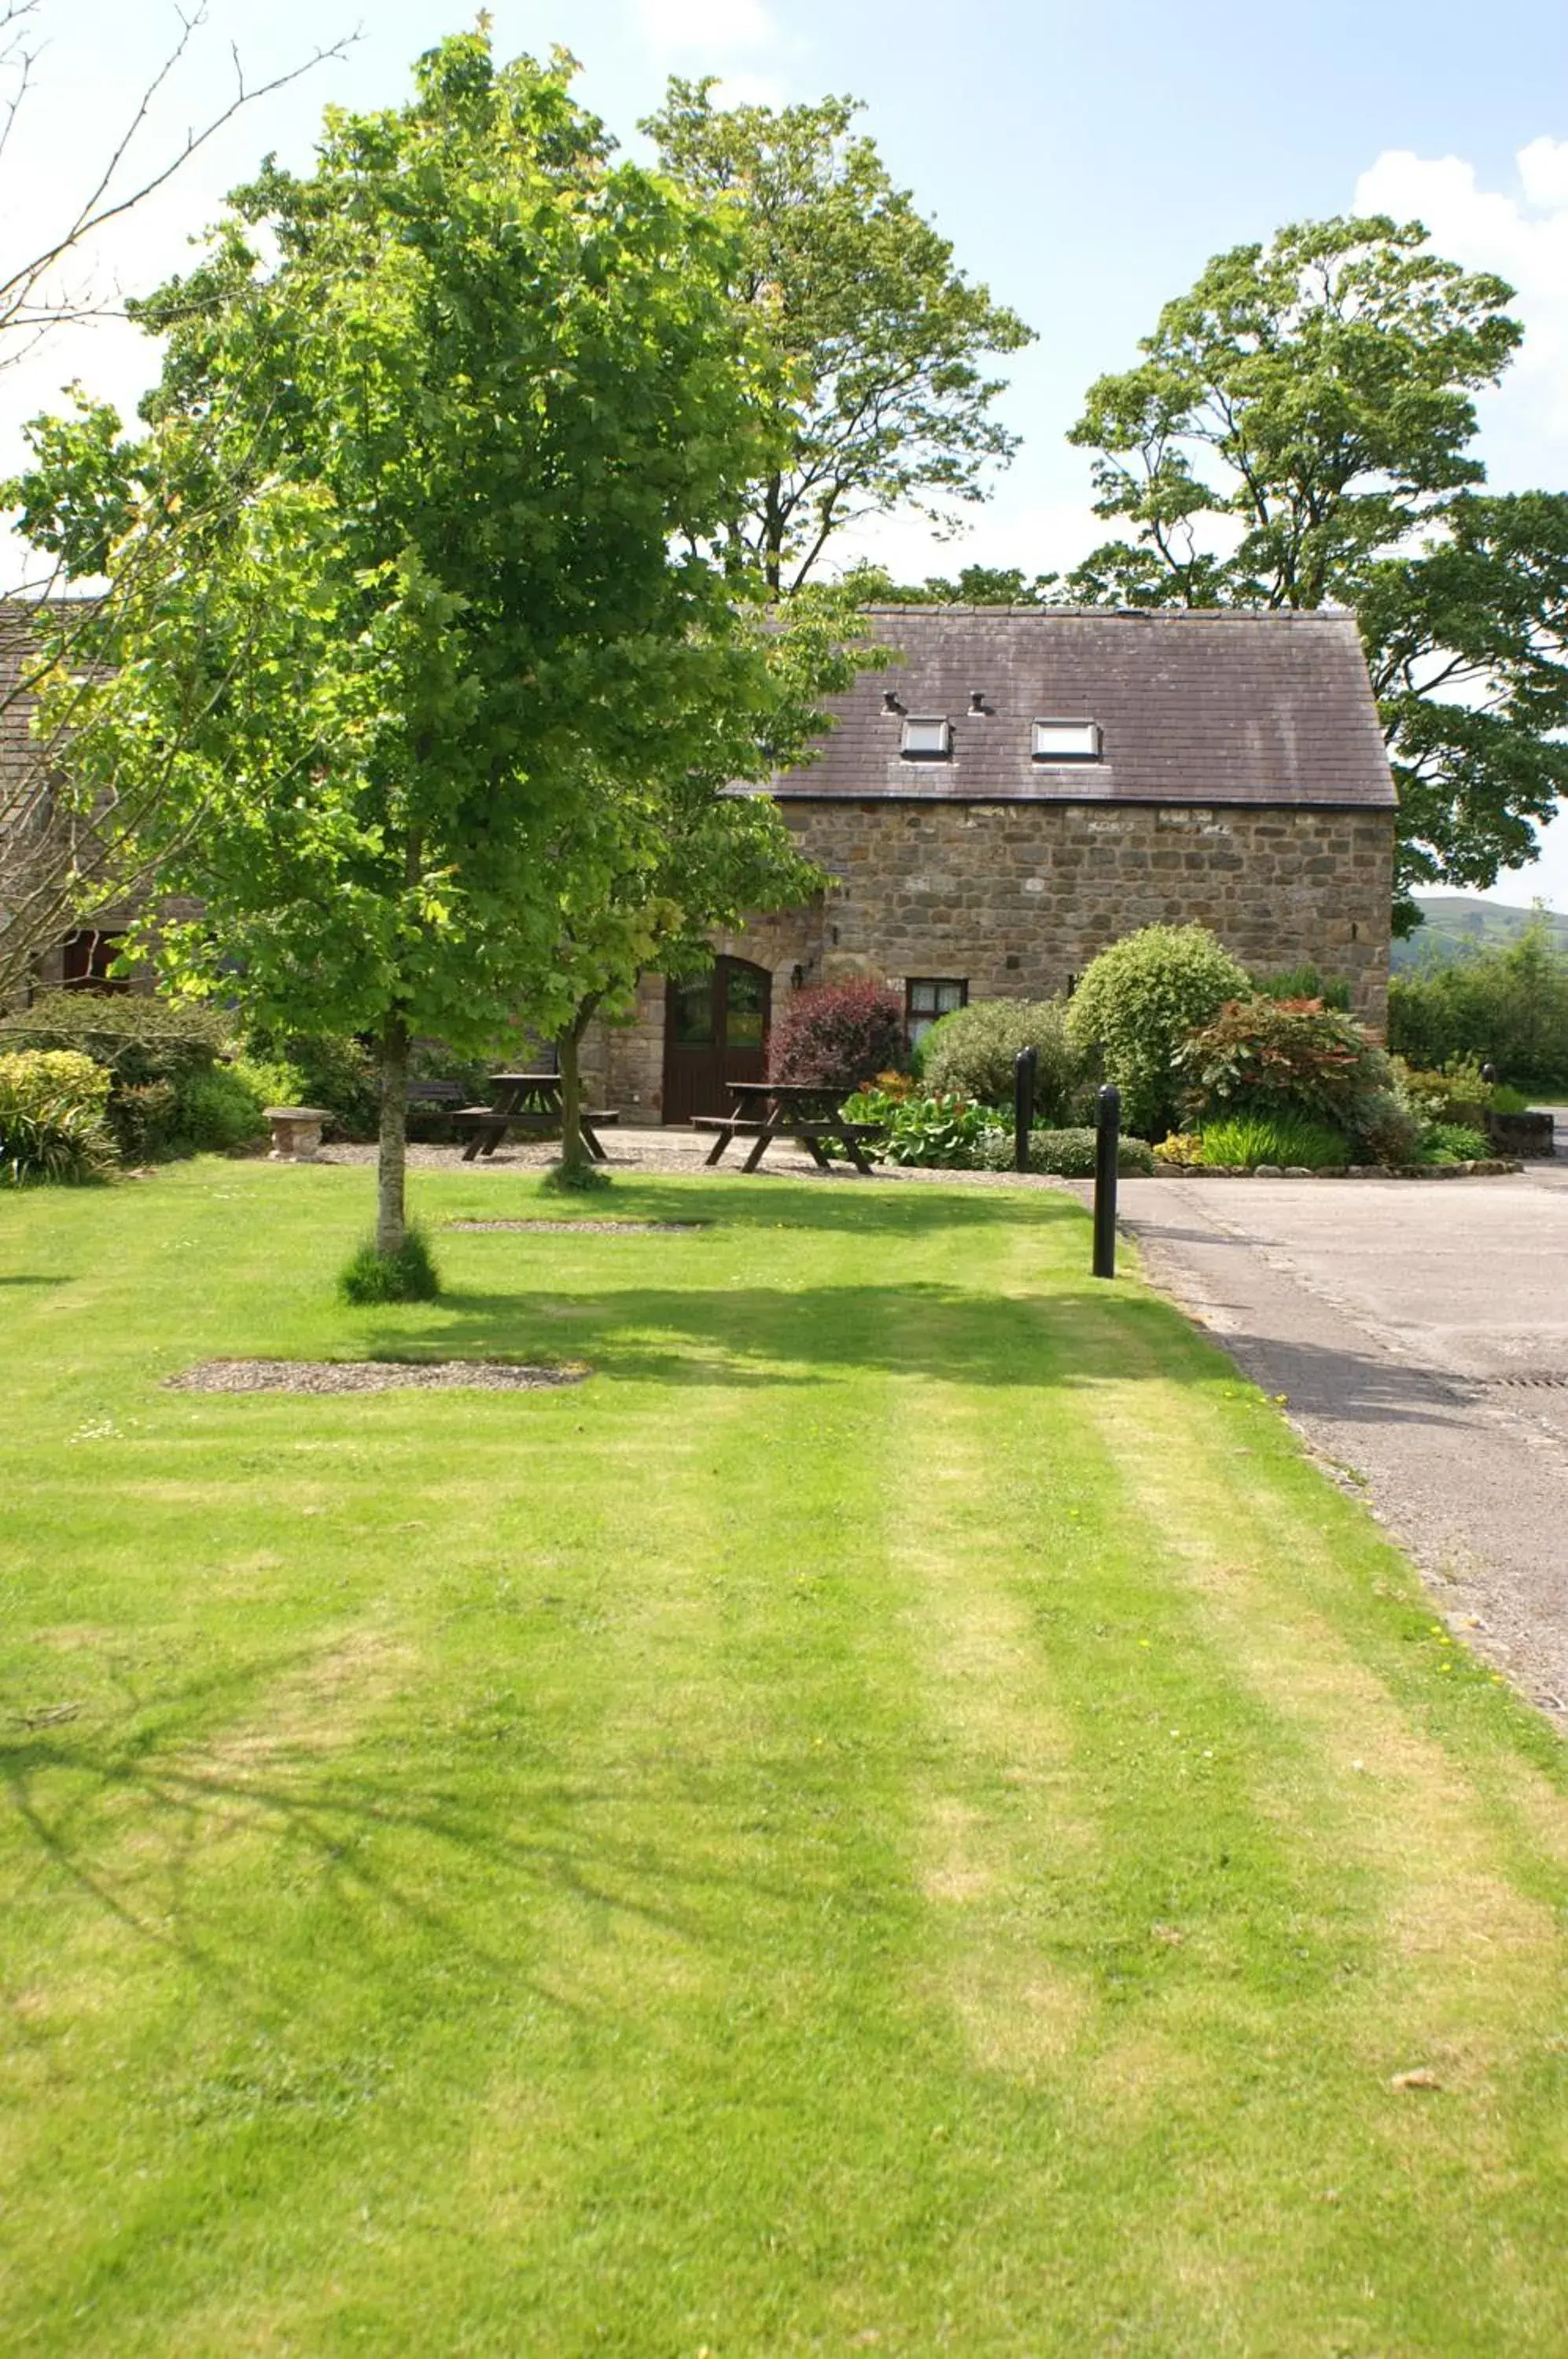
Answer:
(1483, 1168)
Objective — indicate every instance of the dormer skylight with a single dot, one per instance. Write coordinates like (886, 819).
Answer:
(928, 740)
(1066, 741)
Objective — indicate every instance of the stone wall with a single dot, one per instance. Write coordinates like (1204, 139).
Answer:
(1017, 898)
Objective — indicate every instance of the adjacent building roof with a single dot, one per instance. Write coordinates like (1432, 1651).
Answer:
(1191, 707)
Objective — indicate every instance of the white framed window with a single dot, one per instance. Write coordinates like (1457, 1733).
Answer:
(1066, 741)
(927, 740)
(927, 997)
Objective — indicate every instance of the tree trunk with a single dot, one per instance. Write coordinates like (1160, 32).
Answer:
(393, 1157)
(575, 1156)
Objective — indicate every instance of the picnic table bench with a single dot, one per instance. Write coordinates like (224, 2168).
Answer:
(809, 1112)
(529, 1103)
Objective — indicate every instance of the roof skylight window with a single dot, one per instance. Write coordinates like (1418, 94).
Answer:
(1066, 741)
(928, 740)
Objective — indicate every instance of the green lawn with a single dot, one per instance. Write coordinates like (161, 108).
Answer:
(902, 1813)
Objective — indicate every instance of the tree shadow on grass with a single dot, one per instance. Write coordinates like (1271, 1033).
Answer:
(855, 1208)
(775, 1335)
(132, 1809)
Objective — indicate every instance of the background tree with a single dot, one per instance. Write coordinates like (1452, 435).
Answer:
(975, 585)
(486, 389)
(1299, 434)
(62, 863)
(883, 341)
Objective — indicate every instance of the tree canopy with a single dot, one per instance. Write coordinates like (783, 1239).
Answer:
(883, 343)
(1298, 434)
(495, 410)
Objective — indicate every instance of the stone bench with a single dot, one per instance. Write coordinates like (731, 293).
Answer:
(296, 1132)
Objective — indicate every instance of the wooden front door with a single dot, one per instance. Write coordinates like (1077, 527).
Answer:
(716, 1032)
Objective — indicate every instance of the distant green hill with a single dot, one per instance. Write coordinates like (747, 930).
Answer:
(1453, 923)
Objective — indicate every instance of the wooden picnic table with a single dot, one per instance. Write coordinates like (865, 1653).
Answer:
(809, 1112)
(527, 1102)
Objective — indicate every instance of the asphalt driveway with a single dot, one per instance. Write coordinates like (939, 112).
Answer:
(1419, 1330)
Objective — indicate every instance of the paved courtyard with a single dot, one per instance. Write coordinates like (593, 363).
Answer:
(1419, 1333)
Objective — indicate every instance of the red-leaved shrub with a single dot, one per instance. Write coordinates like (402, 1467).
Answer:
(838, 1032)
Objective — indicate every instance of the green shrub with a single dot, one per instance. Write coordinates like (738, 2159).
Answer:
(1304, 983)
(1249, 1139)
(1068, 1154)
(1507, 1007)
(218, 1111)
(51, 1118)
(971, 1054)
(1137, 1001)
(580, 1179)
(169, 1094)
(138, 1035)
(939, 1132)
(1388, 1130)
(1280, 1057)
(145, 1119)
(1458, 1094)
(407, 1275)
(1454, 1142)
(332, 1070)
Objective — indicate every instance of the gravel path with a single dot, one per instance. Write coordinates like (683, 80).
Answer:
(368, 1377)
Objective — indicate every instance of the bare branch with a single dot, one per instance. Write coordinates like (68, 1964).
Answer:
(20, 305)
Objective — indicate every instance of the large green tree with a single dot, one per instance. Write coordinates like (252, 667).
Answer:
(884, 344)
(494, 408)
(1300, 433)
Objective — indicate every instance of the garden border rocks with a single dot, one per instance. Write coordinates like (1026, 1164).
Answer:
(1488, 1167)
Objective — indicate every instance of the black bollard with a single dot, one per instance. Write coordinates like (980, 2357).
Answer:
(1025, 1066)
(1107, 1138)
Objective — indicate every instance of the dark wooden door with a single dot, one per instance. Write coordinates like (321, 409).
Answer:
(716, 1032)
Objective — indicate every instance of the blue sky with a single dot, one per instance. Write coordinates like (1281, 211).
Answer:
(1085, 162)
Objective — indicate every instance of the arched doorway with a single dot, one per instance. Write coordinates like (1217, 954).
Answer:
(716, 1032)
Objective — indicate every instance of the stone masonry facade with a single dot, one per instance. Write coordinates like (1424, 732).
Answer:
(1014, 899)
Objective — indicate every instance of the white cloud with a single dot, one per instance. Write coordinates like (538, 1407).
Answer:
(749, 89)
(716, 27)
(1523, 237)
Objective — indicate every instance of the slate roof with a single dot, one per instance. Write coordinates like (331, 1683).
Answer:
(1193, 706)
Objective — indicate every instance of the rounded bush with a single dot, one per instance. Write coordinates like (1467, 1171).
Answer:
(970, 1053)
(839, 1033)
(1288, 1058)
(218, 1111)
(52, 1117)
(1136, 1002)
(1069, 1154)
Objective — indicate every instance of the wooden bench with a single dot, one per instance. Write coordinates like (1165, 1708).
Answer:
(810, 1133)
(490, 1128)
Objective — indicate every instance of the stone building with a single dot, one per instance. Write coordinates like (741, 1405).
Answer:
(1024, 786)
